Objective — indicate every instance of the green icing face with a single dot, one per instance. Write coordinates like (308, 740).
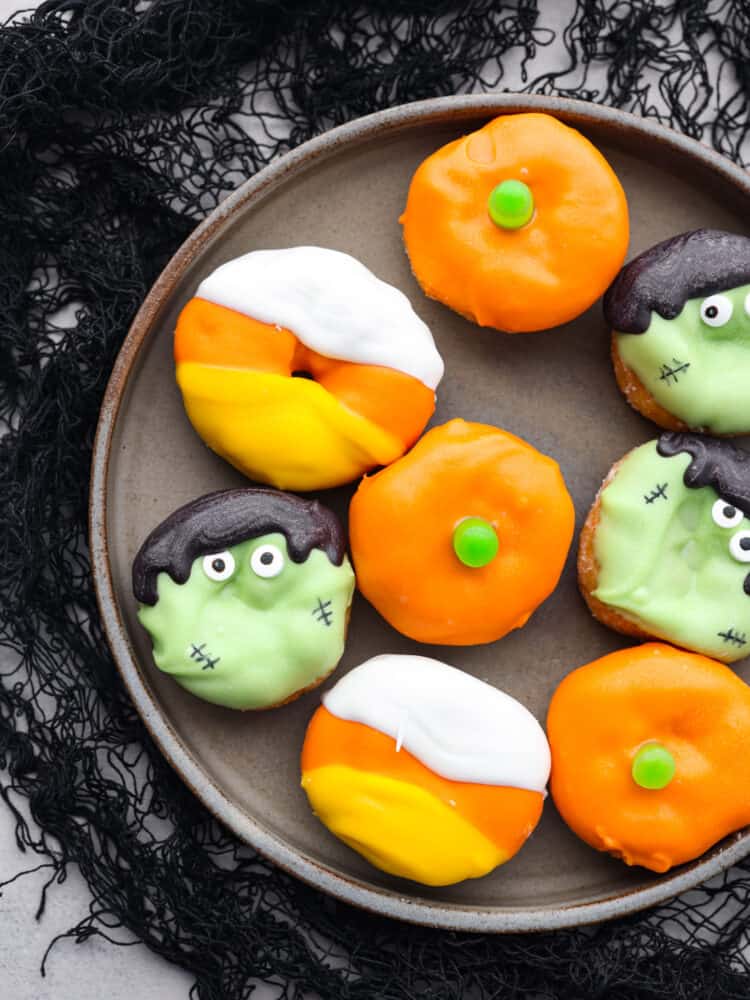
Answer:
(250, 627)
(672, 558)
(697, 365)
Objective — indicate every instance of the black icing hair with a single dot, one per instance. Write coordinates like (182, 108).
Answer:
(715, 463)
(220, 520)
(663, 278)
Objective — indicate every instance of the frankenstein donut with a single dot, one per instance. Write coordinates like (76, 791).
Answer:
(680, 316)
(303, 369)
(665, 549)
(460, 540)
(520, 226)
(425, 771)
(245, 594)
(649, 754)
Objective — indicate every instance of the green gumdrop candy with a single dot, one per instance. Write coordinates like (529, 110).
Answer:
(511, 204)
(475, 542)
(653, 766)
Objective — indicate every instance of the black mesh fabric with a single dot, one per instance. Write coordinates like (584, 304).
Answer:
(122, 123)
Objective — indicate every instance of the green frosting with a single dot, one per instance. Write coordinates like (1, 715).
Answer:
(251, 641)
(698, 372)
(663, 561)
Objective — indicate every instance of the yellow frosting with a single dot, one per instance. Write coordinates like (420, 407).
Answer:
(280, 430)
(399, 827)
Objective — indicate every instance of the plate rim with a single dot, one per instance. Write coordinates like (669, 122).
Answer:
(381, 901)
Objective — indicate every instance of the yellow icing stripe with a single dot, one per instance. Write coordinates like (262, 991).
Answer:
(279, 430)
(399, 827)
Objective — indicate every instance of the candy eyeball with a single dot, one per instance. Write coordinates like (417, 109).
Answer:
(219, 566)
(716, 310)
(725, 514)
(739, 546)
(267, 561)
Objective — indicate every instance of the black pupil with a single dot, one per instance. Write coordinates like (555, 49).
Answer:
(267, 558)
(218, 565)
(712, 312)
(745, 543)
(729, 513)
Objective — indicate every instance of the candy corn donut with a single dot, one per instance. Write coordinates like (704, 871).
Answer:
(427, 772)
(255, 325)
(649, 754)
(520, 226)
(460, 540)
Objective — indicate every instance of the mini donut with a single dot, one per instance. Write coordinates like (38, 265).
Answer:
(520, 226)
(246, 594)
(665, 549)
(259, 321)
(680, 319)
(425, 771)
(649, 754)
(460, 540)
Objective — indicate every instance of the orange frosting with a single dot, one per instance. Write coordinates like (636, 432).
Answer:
(604, 712)
(402, 520)
(506, 816)
(214, 335)
(543, 274)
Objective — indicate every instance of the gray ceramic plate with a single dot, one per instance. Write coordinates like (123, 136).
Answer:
(345, 190)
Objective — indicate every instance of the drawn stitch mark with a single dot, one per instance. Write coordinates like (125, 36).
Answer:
(667, 373)
(197, 654)
(660, 490)
(322, 613)
(735, 638)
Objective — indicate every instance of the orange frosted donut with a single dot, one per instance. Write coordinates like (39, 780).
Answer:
(426, 771)
(521, 225)
(262, 320)
(460, 540)
(649, 754)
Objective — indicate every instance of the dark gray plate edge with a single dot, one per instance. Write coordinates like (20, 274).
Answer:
(377, 900)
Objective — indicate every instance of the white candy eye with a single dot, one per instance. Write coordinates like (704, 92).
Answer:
(725, 514)
(219, 566)
(716, 310)
(739, 546)
(267, 561)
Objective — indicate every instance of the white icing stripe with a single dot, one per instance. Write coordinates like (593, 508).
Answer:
(331, 303)
(458, 726)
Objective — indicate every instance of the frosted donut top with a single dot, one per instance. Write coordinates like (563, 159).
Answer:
(332, 303)
(456, 725)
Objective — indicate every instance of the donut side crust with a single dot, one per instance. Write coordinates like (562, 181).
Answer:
(588, 571)
(638, 396)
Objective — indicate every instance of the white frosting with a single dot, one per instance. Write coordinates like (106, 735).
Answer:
(458, 726)
(330, 302)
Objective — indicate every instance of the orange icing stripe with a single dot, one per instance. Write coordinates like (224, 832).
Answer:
(214, 335)
(396, 402)
(506, 816)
